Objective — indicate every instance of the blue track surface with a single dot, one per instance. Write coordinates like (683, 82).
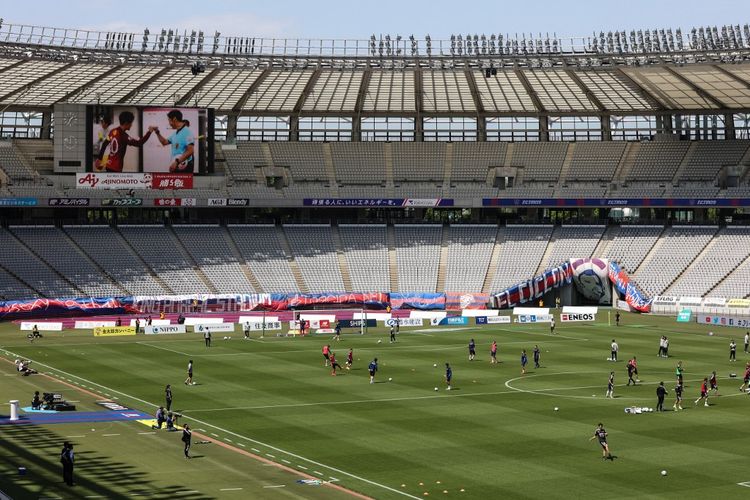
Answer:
(74, 417)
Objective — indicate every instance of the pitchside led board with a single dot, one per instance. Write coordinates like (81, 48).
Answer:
(180, 140)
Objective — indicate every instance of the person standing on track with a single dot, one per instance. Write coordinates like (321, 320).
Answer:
(493, 353)
(732, 351)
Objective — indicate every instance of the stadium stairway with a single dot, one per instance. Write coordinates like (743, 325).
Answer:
(602, 248)
(443, 265)
(541, 267)
(684, 163)
(243, 264)
(388, 154)
(189, 258)
(565, 170)
(650, 255)
(346, 277)
(697, 261)
(742, 269)
(330, 172)
(745, 176)
(23, 282)
(140, 259)
(392, 262)
(96, 265)
(447, 172)
(627, 161)
(494, 260)
(296, 272)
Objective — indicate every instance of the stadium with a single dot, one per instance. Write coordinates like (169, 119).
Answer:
(546, 193)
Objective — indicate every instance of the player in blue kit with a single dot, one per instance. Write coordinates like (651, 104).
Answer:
(537, 353)
(373, 368)
(524, 361)
(448, 376)
(182, 142)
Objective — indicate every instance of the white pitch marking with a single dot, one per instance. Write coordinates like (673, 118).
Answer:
(230, 489)
(316, 472)
(302, 467)
(75, 437)
(276, 486)
(255, 450)
(746, 484)
(286, 461)
(164, 348)
(269, 455)
(109, 435)
(240, 444)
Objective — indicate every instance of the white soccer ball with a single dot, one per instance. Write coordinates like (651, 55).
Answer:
(436, 388)
(663, 473)
(556, 408)
(434, 365)
(226, 338)
(379, 341)
(230, 338)
(710, 334)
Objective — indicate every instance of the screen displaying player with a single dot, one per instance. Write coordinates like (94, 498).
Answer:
(114, 129)
(177, 148)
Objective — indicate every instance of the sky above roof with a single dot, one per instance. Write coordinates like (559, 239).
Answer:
(361, 18)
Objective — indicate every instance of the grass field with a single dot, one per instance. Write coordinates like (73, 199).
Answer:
(495, 435)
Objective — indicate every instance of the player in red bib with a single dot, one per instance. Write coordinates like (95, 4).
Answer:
(704, 393)
(118, 141)
(326, 354)
(746, 378)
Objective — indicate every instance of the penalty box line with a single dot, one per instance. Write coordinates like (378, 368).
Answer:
(255, 441)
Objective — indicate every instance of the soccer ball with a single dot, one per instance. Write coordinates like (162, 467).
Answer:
(225, 338)
(390, 379)
(436, 388)
(379, 341)
(663, 473)
(556, 408)
(710, 334)
(434, 365)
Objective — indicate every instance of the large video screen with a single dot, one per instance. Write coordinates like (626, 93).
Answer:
(150, 139)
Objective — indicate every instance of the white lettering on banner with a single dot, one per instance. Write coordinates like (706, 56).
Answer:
(564, 317)
(371, 315)
(421, 202)
(189, 202)
(664, 300)
(528, 311)
(258, 319)
(160, 330)
(88, 325)
(258, 325)
(217, 202)
(404, 322)
(715, 301)
(204, 321)
(580, 309)
(498, 320)
(106, 180)
(213, 327)
(154, 322)
(325, 330)
(42, 327)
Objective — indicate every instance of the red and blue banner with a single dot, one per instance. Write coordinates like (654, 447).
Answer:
(455, 301)
(415, 300)
(633, 296)
(370, 300)
(47, 308)
(533, 289)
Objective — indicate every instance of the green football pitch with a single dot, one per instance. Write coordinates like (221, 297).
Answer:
(271, 414)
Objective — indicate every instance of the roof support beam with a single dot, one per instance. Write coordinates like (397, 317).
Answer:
(696, 88)
(297, 111)
(731, 75)
(642, 90)
(419, 106)
(130, 95)
(543, 117)
(196, 89)
(33, 82)
(252, 88)
(359, 104)
(481, 120)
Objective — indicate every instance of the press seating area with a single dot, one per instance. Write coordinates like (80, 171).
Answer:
(209, 249)
(678, 247)
(728, 249)
(417, 256)
(105, 247)
(521, 251)
(315, 254)
(263, 253)
(469, 252)
(365, 247)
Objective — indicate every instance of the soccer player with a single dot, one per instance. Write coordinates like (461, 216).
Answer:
(247, 330)
(732, 350)
(614, 348)
(207, 337)
(678, 372)
(524, 360)
(105, 124)
(617, 318)
(661, 392)
(601, 435)
(552, 326)
(632, 370)
(747, 341)
(393, 335)
(187, 435)
(493, 353)
(373, 368)
(713, 383)
(536, 356)
(666, 346)
(677, 397)
(326, 354)
(337, 332)
(704, 392)
(746, 378)
(472, 350)
(661, 346)
(182, 142)
(168, 396)
(611, 386)
(189, 379)
(448, 376)
(334, 363)
(349, 359)
(118, 141)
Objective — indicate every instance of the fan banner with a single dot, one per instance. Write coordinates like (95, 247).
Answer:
(47, 308)
(590, 277)
(534, 289)
(633, 296)
(457, 301)
(414, 300)
(308, 300)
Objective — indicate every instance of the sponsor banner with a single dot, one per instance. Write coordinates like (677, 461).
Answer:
(257, 319)
(154, 322)
(404, 322)
(222, 327)
(471, 313)
(113, 331)
(616, 202)
(18, 202)
(258, 325)
(428, 314)
(530, 310)
(164, 330)
(378, 202)
(217, 202)
(122, 202)
(42, 327)
(623, 305)
(371, 315)
(714, 302)
(203, 321)
(88, 325)
(106, 180)
(684, 316)
(662, 300)
(738, 303)
(310, 300)
(68, 202)
(357, 323)
(311, 323)
(580, 309)
(174, 202)
(534, 318)
(171, 181)
(111, 405)
(493, 320)
(733, 321)
(325, 330)
(238, 202)
(568, 317)
(690, 301)
(450, 320)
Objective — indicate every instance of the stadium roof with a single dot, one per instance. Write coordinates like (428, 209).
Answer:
(707, 72)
